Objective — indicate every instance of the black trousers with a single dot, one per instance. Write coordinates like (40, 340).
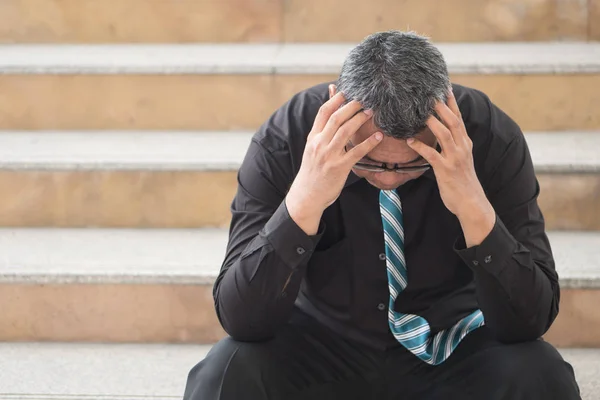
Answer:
(307, 361)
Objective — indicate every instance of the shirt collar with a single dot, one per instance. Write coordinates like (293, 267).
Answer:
(429, 174)
(352, 178)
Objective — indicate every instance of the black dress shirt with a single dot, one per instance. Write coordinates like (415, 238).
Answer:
(338, 276)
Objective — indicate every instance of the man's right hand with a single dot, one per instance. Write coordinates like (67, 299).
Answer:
(325, 163)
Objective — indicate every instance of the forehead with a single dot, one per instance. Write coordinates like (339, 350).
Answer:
(391, 150)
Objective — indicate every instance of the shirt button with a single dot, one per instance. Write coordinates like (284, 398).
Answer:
(488, 259)
(475, 262)
(300, 250)
(381, 307)
(382, 256)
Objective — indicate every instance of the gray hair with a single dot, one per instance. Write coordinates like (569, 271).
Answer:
(398, 75)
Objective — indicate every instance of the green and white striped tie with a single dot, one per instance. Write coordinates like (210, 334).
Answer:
(413, 331)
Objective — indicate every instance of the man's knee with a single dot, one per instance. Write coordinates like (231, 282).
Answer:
(535, 370)
(227, 362)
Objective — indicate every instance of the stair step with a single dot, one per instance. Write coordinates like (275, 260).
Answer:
(123, 285)
(312, 59)
(566, 151)
(193, 256)
(124, 256)
(57, 371)
(157, 179)
(52, 371)
(138, 150)
(196, 87)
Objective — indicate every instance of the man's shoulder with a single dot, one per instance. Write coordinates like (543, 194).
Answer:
(318, 92)
(483, 118)
(474, 104)
(290, 124)
(306, 102)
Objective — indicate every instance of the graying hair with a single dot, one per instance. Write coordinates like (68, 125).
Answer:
(398, 75)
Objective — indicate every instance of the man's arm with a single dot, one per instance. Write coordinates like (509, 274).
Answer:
(267, 252)
(517, 284)
(269, 243)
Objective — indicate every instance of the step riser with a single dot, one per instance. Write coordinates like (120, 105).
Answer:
(108, 313)
(578, 322)
(134, 21)
(594, 17)
(185, 314)
(92, 21)
(311, 20)
(232, 102)
(202, 199)
(570, 201)
(116, 199)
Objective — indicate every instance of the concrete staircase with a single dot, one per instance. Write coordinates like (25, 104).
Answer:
(122, 125)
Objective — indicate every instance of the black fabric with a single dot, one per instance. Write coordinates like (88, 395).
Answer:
(272, 267)
(306, 361)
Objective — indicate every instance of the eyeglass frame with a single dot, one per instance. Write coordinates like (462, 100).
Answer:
(383, 167)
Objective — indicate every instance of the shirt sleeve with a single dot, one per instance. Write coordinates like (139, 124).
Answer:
(516, 281)
(267, 253)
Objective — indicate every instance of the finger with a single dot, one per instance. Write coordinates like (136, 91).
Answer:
(326, 110)
(349, 128)
(430, 154)
(450, 115)
(332, 90)
(339, 118)
(442, 133)
(452, 104)
(450, 120)
(359, 151)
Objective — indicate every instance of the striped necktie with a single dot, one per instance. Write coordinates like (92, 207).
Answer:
(412, 331)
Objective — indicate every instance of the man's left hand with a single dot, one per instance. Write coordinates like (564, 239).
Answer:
(454, 170)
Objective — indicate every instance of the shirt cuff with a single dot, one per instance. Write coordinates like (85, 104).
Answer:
(492, 253)
(289, 241)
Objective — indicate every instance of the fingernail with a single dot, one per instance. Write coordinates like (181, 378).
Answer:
(379, 136)
(410, 141)
(369, 112)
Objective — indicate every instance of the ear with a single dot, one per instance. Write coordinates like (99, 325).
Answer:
(332, 90)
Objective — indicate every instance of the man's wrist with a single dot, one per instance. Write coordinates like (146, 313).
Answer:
(477, 221)
(304, 214)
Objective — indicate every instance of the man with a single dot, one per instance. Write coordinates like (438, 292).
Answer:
(386, 243)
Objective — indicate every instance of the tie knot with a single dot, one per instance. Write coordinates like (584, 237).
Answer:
(390, 205)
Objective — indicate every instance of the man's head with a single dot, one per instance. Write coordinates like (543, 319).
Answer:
(400, 76)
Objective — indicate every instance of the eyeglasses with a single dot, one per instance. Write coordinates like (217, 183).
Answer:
(383, 167)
